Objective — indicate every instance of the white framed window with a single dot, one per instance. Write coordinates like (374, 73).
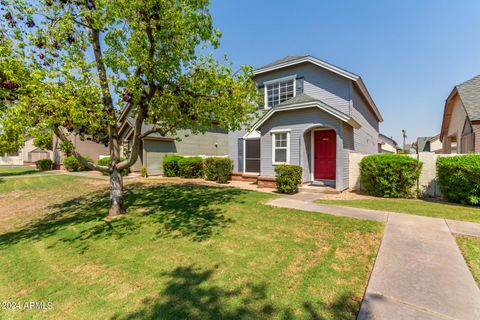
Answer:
(280, 147)
(279, 90)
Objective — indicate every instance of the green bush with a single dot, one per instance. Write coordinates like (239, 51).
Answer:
(106, 162)
(389, 175)
(288, 178)
(170, 165)
(72, 164)
(191, 167)
(218, 169)
(44, 164)
(459, 178)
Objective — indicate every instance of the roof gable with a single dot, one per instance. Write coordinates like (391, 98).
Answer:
(294, 60)
(300, 102)
(469, 93)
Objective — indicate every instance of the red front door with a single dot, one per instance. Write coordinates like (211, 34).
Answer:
(325, 154)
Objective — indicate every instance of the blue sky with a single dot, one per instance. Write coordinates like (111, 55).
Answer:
(409, 53)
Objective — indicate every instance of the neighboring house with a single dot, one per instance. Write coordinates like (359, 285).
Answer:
(85, 147)
(386, 144)
(27, 155)
(430, 144)
(154, 147)
(461, 119)
(314, 115)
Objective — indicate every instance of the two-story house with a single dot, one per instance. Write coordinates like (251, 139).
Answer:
(314, 115)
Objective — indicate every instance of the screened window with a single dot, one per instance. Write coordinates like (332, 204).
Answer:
(281, 147)
(279, 92)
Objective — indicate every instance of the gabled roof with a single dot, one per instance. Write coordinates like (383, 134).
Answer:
(145, 127)
(422, 143)
(469, 93)
(293, 60)
(303, 101)
(386, 139)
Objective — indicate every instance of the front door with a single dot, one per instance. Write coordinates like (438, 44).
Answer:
(325, 155)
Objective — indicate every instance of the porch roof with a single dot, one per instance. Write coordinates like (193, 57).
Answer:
(305, 101)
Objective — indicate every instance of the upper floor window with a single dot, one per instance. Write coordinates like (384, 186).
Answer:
(279, 90)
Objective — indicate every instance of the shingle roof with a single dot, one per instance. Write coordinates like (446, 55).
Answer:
(282, 60)
(146, 127)
(386, 139)
(469, 93)
(422, 142)
(301, 98)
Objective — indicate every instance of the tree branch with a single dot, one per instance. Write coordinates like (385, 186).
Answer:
(61, 135)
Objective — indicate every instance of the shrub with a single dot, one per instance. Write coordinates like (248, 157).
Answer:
(72, 164)
(459, 178)
(218, 169)
(191, 167)
(44, 164)
(143, 172)
(288, 178)
(106, 162)
(170, 165)
(389, 175)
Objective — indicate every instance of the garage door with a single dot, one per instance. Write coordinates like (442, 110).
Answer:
(155, 151)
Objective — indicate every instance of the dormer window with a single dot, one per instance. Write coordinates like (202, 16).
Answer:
(279, 90)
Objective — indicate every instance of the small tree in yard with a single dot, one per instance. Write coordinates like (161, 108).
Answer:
(70, 66)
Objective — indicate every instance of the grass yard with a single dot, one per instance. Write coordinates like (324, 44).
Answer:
(181, 252)
(434, 209)
(16, 171)
(470, 248)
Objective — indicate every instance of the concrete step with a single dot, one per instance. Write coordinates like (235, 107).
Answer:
(318, 189)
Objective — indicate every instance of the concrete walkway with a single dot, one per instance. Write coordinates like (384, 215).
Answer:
(419, 272)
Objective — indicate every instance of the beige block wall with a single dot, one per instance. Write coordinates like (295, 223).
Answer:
(428, 177)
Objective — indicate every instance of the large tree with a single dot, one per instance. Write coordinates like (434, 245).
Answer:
(70, 66)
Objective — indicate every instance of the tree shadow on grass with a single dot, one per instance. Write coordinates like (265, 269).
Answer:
(177, 210)
(18, 173)
(190, 293)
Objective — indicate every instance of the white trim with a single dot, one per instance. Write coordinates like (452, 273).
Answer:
(329, 110)
(252, 135)
(244, 155)
(280, 130)
(357, 79)
(313, 60)
(287, 131)
(283, 79)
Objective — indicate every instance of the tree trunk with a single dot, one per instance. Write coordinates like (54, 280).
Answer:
(116, 193)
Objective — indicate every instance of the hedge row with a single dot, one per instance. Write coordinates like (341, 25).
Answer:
(389, 175)
(214, 168)
(459, 178)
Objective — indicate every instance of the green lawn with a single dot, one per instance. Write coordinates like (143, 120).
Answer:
(418, 207)
(181, 252)
(17, 171)
(471, 251)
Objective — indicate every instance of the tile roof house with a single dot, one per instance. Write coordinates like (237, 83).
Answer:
(314, 115)
(460, 132)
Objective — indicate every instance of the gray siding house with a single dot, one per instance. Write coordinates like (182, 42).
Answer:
(314, 115)
(154, 147)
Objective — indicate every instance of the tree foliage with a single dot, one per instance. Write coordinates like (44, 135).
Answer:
(70, 66)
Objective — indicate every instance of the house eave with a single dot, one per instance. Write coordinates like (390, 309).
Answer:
(325, 108)
(351, 76)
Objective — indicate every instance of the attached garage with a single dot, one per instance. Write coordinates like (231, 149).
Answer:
(154, 152)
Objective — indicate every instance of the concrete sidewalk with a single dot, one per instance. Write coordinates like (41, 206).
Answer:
(419, 272)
